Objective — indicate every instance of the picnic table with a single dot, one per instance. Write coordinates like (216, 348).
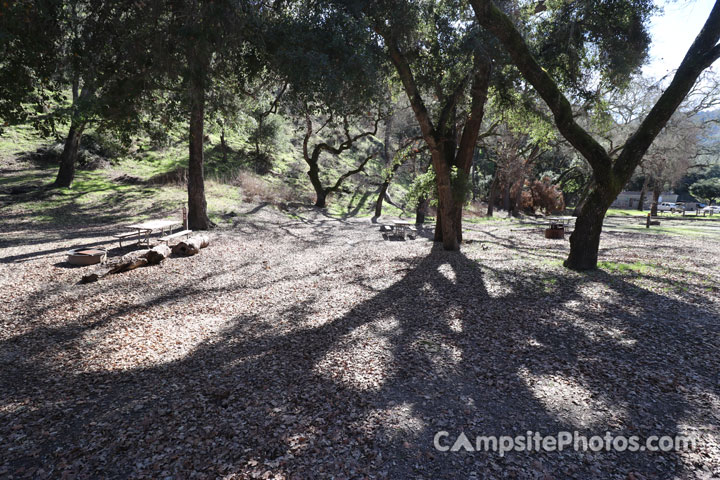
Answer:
(560, 222)
(401, 229)
(145, 229)
(398, 229)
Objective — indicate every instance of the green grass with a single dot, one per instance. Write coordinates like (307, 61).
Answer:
(18, 139)
(679, 230)
(626, 212)
(475, 219)
(641, 268)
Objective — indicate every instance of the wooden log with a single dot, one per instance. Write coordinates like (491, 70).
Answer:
(191, 246)
(157, 254)
(127, 262)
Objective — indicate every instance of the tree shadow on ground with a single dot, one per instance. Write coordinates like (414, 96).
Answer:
(452, 345)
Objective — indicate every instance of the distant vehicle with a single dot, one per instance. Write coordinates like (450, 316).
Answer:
(670, 207)
(712, 209)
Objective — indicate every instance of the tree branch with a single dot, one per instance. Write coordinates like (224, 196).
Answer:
(490, 17)
(471, 130)
(408, 80)
(348, 174)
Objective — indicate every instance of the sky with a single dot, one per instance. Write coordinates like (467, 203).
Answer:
(673, 32)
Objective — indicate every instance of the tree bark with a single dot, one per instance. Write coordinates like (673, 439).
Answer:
(320, 193)
(517, 201)
(197, 205)
(585, 239)
(223, 143)
(68, 159)
(421, 211)
(157, 254)
(313, 159)
(381, 198)
(643, 192)
(492, 196)
(582, 198)
(506, 198)
(656, 197)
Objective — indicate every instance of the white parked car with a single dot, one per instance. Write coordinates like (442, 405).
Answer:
(712, 209)
(669, 207)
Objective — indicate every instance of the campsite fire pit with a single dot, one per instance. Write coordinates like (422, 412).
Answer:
(86, 256)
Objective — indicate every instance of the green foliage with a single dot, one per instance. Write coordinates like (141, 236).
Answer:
(422, 187)
(707, 190)
(461, 185)
(577, 40)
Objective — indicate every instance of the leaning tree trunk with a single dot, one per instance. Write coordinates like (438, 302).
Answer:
(68, 159)
(380, 198)
(517, 200)
(585, 239)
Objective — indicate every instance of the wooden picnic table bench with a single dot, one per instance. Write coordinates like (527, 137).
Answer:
(165, 227)
(145, 229)
(399, 229)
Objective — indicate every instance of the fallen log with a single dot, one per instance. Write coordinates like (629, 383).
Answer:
(130, 261)
(157, 254)
(191, 246)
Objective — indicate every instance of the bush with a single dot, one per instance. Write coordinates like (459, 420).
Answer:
(547, 196)
(708, 189)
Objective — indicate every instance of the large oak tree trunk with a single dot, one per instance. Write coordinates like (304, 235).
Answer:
(445, 230)
(197, 206)
(585, 239)
(68, 159)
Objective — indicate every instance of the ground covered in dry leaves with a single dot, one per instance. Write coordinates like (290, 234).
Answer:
(301, 346)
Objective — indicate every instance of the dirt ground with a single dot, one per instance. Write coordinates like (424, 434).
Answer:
(303, 346)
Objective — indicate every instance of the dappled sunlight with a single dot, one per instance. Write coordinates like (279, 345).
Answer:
(397, 422)
(361, 361)
(571, 402)
(165, 339)
(447, 271)
(575, 313)
(442, 355)
(496, 285)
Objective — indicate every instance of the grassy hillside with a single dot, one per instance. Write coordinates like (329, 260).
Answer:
(148, 180)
